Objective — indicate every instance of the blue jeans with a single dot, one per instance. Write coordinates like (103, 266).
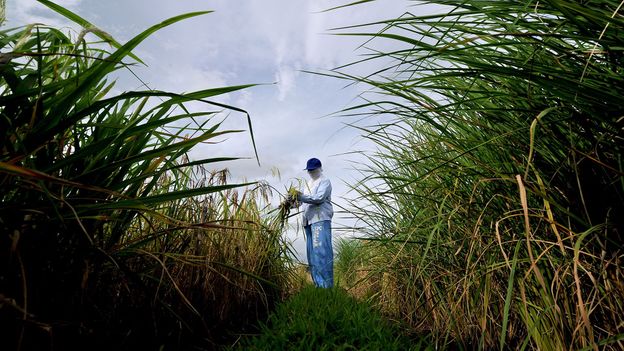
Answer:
(320, 254)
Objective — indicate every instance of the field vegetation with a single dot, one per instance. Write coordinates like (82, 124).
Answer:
(111, 237)
(491, 214)
(494, 207)
(328, 319)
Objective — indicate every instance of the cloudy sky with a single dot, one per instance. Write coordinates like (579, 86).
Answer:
(270, 42)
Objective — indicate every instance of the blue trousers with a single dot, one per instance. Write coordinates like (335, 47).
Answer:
(320, 254)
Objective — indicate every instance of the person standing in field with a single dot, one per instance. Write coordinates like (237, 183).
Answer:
(317, 214)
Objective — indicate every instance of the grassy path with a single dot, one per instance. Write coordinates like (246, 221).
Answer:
(328, 319)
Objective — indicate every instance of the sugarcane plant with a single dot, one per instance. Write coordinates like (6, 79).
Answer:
(290, 201)
(90, 242)
(495, 199)
(2, 11)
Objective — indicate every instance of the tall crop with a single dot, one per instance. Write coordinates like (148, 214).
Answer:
(497, 192)
(109, 236)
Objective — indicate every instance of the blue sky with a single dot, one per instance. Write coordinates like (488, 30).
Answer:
(268, 42)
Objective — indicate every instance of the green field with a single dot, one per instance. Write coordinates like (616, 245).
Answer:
(492, 210)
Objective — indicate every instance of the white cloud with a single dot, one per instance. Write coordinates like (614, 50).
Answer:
(20, 12)
(193, 78)
(286, 78)
(244, 98)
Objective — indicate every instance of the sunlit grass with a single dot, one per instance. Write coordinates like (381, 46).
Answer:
(328, 319)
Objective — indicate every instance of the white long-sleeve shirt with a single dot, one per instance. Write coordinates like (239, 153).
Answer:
(316, 199)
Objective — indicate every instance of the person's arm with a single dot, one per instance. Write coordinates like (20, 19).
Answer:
(322, 193)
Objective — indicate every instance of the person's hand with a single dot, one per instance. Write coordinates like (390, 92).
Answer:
(297, 195)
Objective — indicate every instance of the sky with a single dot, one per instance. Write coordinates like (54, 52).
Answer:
(267, 42)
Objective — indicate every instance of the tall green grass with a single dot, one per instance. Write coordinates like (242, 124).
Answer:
(110, 236)
(347, 262)
(2, 11)
(496, 199)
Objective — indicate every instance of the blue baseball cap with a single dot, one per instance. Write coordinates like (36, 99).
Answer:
(313, 163)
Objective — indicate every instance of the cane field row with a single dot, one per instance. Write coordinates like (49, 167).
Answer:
(491, 215)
